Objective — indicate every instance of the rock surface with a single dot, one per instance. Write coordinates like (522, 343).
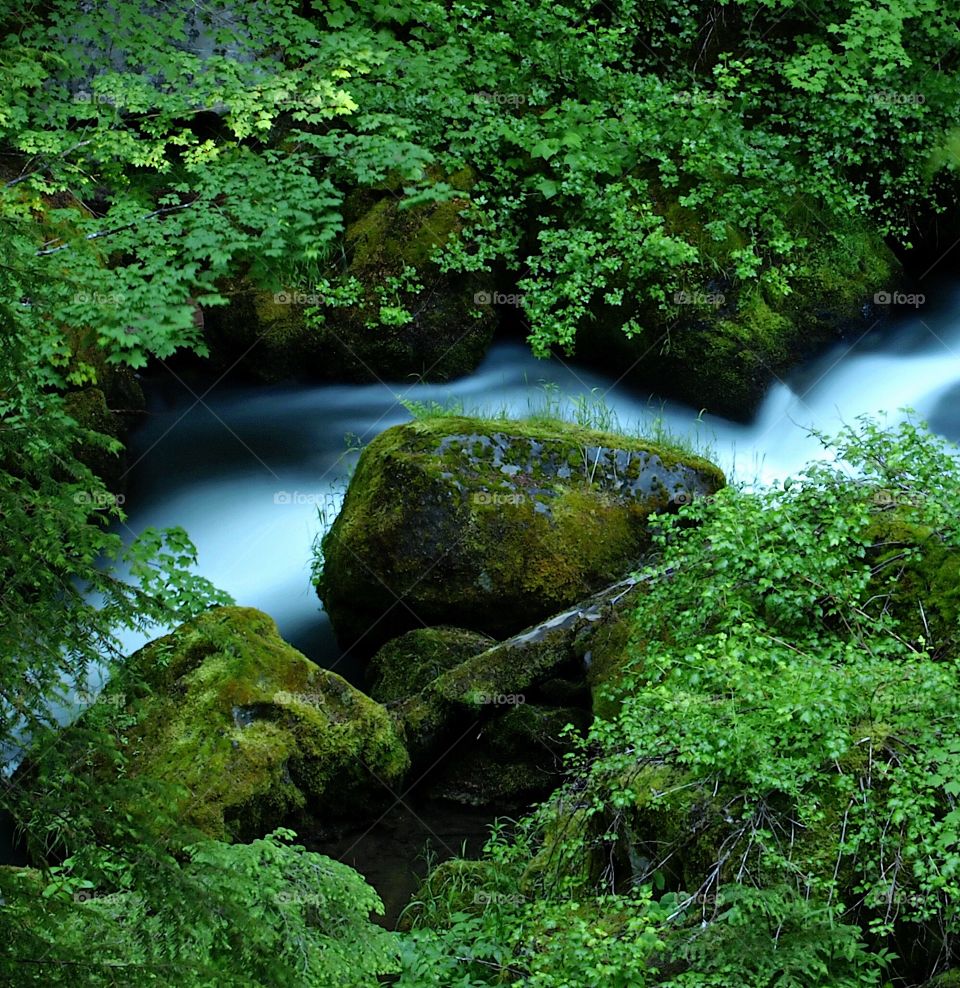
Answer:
(509, 673)
(408, 663)
(724, 344)
(397, 315)
(255, 733)
(492, 525)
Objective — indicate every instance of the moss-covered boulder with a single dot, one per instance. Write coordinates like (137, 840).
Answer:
(254, 732)
(724, 341)
(917, 576)
(109, 405)
(407, 664)
(396, 313)
(493, 525)
(509, 672)
(88, 408)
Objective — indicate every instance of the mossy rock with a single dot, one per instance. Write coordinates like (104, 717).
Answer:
(916, 576)
(449, 329)
(949, 979)
(493, 525)
(572, 851)
(722, 352)
(512, 759)
(457, 885)
(255, 733)
(407, 664)
(452, 321)
(508, 673)
(264, 334)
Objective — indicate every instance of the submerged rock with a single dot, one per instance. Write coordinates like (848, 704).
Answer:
(493, 525)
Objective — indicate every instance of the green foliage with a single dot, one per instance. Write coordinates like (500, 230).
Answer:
(793, 703)
(260, 914)
(632, 152)
(490, 933)
(781, 755)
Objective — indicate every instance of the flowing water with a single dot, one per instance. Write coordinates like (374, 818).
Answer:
(255, 473)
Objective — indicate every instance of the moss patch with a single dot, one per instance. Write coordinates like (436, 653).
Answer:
(407, 664)
(917, 577)
(512, 759)
(447, 332)
(722, 355)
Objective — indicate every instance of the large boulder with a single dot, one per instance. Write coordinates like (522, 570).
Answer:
(723, 341)
(508, 673)
(254, 733)
(390, 312)
(493, 525)
(512, 759)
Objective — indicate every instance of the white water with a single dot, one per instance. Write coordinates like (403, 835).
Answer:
(247, 470)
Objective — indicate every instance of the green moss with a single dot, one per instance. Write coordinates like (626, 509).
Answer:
(571, 852)
(488, 524)
(610, 655)
(917, 578)
(407, 664)
(722, 357)
(256, 732)
(446, 337)
(89, 408)
(265, 332)
(454, 886)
